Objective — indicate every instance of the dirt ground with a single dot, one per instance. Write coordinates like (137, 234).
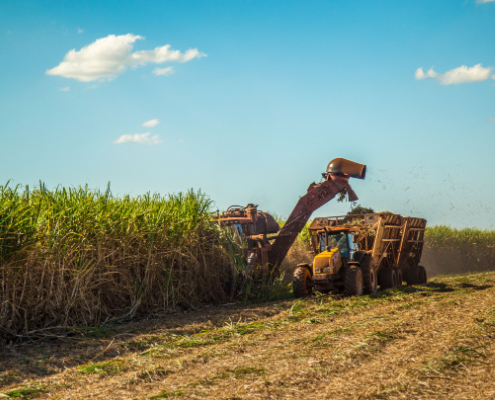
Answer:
(423, 342)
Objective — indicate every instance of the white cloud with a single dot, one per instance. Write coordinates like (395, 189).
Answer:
(64, 89)
(150, 124)
(108, 57)
(163, 54)
(164, 71)
(419, 74)
(79, 30)
(141, 138)
(484, 1)
(462, 74)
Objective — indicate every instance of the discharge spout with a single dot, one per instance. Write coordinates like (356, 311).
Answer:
(343, 167)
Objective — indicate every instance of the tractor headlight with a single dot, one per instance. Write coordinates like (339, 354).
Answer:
(327, 269)
(317, 271)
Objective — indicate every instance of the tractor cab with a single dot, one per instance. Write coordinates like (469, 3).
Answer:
(344, 240)
(333, 248)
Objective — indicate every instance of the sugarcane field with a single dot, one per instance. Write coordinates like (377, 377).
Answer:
(247, 200)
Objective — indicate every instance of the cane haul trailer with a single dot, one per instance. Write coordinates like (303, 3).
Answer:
(355, 254)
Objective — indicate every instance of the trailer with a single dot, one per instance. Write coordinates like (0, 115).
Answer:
(355, 254)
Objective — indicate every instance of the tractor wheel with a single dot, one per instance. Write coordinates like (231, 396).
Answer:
(353, 285)
(370, 280)
(422, 277)
(301, 282)
(388, 279)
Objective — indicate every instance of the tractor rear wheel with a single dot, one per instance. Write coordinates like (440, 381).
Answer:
(388, 280)
(369, 275)
(422, 276)
(301, 282)
(353, 285)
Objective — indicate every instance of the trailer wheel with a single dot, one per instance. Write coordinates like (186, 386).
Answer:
(301, 282)
(353, 285)
(398, 277)
(412, 275)
(370, 280)
(422, 276)
(388, 280)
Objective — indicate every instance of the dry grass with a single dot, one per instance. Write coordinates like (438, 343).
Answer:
(430, 342)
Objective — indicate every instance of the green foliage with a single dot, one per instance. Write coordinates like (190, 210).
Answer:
(79, 257)
(106, 367)
(24, 393)
(447, 237)
(274, 288)
(359, 209)
(468, 249)
(167, 395)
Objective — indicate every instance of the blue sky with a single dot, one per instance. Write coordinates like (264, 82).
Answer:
(249, 100)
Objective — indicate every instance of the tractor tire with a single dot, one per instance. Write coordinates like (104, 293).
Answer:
(353, 284)
(301, 282)
(388, 279)
(370, 280)
(422, 276)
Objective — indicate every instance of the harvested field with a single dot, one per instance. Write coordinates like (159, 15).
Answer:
(423, 342)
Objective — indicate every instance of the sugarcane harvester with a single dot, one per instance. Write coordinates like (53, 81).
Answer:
(265, 245)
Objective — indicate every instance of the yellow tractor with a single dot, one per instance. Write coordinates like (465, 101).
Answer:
(356, 253)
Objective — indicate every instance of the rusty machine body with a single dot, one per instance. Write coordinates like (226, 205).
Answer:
(265, 244)
(356, 253)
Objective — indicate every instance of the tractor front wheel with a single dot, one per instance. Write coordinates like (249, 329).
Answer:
(301, 282)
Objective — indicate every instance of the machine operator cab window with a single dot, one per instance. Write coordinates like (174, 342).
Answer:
(342, 240)
(238, 233)
(339, 240)
(353, 246)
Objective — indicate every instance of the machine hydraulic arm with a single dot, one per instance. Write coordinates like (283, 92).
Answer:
(336, 181)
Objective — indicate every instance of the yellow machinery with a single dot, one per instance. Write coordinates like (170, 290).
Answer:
(356, 253)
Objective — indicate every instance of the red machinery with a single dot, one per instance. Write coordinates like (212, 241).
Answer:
(266, 245)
